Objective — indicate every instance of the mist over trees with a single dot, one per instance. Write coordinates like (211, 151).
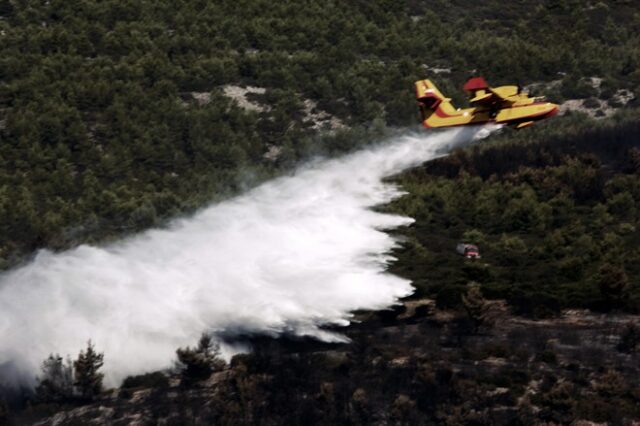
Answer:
(62, 381)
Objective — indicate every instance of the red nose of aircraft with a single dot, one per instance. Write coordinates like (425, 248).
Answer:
(554, 111)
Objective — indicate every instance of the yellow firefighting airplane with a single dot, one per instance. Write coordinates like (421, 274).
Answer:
(503, 105)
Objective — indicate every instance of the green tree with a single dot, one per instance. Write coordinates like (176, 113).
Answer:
(612, 281)
(56, 382)
(200, 362)
(87, 378)
(474, 236)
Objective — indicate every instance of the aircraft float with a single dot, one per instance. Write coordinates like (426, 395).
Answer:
(502, 105)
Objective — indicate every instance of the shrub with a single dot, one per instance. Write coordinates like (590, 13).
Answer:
(449, 297)
(547, 356)
(536, 304)
(390, 316)
(626, 229)
(474, 236)
(422, 311)
(150, 380)
(475, 271)
(480, 311)
(573, 88)
(612, 281)
(591, 103)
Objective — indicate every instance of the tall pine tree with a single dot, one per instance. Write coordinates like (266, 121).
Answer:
(88, 380)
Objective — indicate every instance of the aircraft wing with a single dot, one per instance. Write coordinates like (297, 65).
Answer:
(482, 94)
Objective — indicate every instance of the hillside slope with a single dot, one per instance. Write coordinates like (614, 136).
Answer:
(115, 116)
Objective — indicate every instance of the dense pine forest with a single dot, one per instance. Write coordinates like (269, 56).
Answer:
(113, 115)
(117, 116)
(554, 212)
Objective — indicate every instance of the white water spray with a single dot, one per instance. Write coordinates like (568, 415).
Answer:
(291, 255)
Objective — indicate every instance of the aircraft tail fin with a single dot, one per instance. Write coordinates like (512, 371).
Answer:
(431, 100)
(474, 84)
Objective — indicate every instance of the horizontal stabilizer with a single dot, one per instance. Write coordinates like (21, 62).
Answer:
(481, 96)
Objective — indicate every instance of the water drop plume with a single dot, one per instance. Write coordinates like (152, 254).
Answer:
(291, 255)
